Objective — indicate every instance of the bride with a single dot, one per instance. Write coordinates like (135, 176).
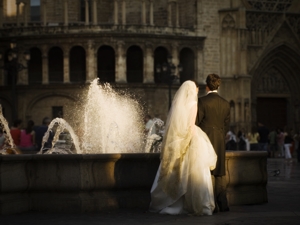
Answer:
(183, 181)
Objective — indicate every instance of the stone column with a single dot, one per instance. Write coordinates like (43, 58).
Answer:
(45, 63)
(169, 14)
(151, 13)
(25, 10)
(121, 63)
(175, 57)
(90, 62)
(143, 12)
(23, 74)
(124, 12)
(242, 41)
(95, 16)
(177, 15)
(199, 18)
(18, 14)
(44, 13)
(116, 19)
(66, 18)
(66, 64)
(199, 65)
(149, 64)
(87, 15)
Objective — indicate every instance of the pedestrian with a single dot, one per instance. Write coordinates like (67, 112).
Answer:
(15, 132)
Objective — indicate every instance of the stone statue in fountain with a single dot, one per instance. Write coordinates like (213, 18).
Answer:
(154, 140)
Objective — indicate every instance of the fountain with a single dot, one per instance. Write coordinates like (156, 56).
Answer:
(111, 123)
(121, 176)
(60, 126)
(9, 146)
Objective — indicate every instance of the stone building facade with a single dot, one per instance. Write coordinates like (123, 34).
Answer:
(252, 44)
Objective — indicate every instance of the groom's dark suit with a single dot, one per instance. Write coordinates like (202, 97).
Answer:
(213, 118)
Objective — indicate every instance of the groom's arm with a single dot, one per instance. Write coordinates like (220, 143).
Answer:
(200, 114)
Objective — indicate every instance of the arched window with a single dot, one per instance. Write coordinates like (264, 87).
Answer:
(106, 64)
(35, 71)
(83, 10)
(160, 57)
(135, 65)
(35, 10)
(187, 60)
(77, 64)
(55, 65)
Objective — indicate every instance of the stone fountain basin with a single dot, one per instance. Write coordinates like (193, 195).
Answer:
(90, 183)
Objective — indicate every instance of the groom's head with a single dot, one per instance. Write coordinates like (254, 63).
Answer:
(213, 82)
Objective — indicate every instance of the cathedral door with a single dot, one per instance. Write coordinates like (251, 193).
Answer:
(272, 112)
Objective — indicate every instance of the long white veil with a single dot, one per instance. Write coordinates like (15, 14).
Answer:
(179, 129)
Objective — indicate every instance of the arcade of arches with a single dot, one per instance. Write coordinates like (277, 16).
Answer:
(70, 66)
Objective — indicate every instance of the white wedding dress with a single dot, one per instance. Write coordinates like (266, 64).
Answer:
(183, 181)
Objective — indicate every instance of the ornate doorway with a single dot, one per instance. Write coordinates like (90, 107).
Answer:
(272, 112)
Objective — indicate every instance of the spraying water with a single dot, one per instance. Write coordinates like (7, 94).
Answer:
(112, 122)
(9, 145)
(60, 126)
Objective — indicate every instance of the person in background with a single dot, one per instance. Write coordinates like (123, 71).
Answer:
(280, 142)
(231, 140)
(263, 137)
(253, 138)
(15, 132)
(27, 140)
(40, 131)
(241, 142)
(287, 145)
(272, 143)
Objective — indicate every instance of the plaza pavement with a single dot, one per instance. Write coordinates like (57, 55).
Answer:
(283, 208)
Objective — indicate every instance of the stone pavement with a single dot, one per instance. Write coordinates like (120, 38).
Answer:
(283, 208)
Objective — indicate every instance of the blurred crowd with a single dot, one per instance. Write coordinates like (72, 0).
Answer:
(279, 143)
(26, 137)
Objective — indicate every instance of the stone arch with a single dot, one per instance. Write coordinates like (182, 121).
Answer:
(275, 76)
(40, 106)
(56, 65)
(106, 63)
(228, 22)
(134, 64)
(77, 59)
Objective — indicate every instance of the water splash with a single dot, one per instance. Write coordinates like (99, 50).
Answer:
(112, 122)
(57, 127)
(9, 145)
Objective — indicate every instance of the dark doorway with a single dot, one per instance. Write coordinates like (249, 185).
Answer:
(56, 65)
(272, 112)
(77, 64)
(35, 70)
(135, 65)
(106, 64)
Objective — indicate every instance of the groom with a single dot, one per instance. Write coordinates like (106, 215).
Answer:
(213, 119)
